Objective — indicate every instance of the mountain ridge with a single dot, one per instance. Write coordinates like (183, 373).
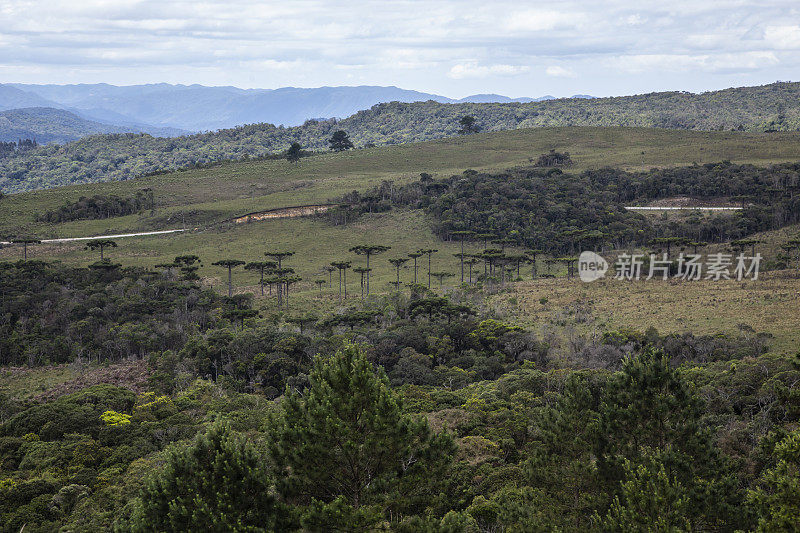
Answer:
(197, 108)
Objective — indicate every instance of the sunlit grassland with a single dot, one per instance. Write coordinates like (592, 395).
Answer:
(769, 304)
(316, 243)
(206, 196)
(203, 198)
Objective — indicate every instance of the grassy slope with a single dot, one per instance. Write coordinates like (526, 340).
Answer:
(217, 193)
(702, 307)
(237, 188)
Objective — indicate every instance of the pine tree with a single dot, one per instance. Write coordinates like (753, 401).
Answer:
(218, 483)
(562, 462)
(777, 495)
(650, 500)
(347, 436)
(648, 408)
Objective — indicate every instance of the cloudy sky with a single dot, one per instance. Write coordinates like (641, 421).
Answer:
(454, 48)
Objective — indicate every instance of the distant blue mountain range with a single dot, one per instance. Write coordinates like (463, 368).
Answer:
(164, 109)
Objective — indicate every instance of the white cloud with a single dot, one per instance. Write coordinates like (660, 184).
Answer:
(635, 20)
(535, 20)
(559, 72)
(474, 70)
(639, 63)
(783, 37)
(424, 44)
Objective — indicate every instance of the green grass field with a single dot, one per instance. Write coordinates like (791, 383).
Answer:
(205, 197)
(767, 305)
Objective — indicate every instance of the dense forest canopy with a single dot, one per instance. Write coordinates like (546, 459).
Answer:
(124, 156)
(522, 429)
(558, 212)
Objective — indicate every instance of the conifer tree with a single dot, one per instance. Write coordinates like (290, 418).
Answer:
(463, 235)
(363, 271)
(369, 250)
(347, 438)
(218, 483)
(342, 266)
(398, 263)
(101, 244)
(429, 252)
(415, 256)
(25, 241)
(262, 267)
(649, 410)
(776, 497)
(230, 264)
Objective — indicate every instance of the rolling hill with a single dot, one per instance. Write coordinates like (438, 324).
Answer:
(48, 125)
(774, 107)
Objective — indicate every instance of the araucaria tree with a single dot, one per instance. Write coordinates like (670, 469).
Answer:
(415, 256)
(342, 266)
(429, 252)
(363, 272)
(441, 275)
(101, 244)
(261, 267)
(279, 256)
(218, 483)
(345, 447)
(398, 263)
(230, 264)
(340, 141)
(25, 241)
(369, 250)
(461, 236)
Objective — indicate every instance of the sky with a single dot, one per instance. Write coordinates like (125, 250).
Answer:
(452, 48)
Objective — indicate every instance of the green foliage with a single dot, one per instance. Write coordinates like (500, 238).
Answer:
(650, 500)
(54, 313)
(777, 495)
(347, 436)
(562, 462)
(217, 483)
(113, 418)
(588, 210)
(99, 207)
(649, 409)
(340, 141)
(79, 412)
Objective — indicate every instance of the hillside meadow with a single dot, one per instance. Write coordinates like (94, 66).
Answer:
(204, 197)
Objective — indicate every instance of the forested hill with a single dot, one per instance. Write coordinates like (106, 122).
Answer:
(116, 157)
(49, 125)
